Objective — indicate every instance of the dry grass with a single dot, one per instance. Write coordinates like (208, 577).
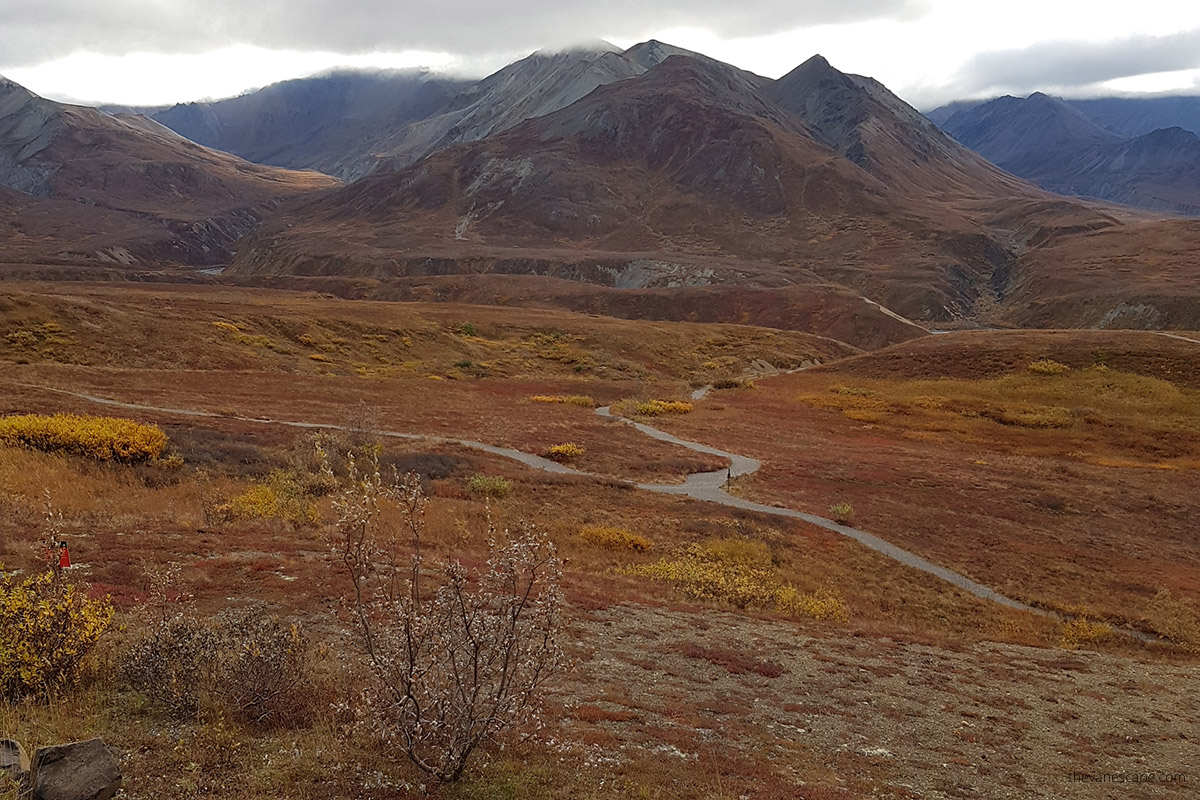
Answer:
(1092, 408)
(570, 400)
(197, 327)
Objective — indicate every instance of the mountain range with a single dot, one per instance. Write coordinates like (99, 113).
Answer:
(1056, 145)
(653, 178)
(695, 172)
(347, 123)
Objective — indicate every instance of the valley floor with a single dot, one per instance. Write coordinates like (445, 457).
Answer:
(908, 688)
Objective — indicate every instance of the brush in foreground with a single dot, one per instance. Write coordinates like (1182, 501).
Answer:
(457, 658)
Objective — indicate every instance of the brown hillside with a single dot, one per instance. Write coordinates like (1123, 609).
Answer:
(170, 200)
(695, 160)
(822, 309)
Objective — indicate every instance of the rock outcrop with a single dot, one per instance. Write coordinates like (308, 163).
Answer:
(76, 771)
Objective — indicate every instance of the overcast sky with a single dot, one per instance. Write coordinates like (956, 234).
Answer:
(143, 52)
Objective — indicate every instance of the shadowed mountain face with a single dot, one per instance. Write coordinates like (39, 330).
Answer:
(153, 195)
(865, 123)
(1129, 116)
(721, 176)
(1053, 144)
(1134, 116)
(328, 123)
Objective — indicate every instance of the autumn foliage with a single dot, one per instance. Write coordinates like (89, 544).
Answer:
(47, 627)
(101, 438)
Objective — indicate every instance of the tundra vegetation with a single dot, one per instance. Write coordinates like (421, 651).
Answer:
(216, 609)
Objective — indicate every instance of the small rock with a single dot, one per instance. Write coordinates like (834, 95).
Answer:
(13, 761)
(876, 752)
(76, 771)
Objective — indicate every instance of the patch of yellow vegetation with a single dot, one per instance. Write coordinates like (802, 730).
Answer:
(281, 496)
(1081, 632)
(613, 538)
(564, 452)
(101, 438)
(47, 627)
(657, 408)
(739, 572)
(1133, 412)
(570, 400)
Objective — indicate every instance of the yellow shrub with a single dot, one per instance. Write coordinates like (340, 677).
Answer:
(1082, 631)
(739, 572)
(103, 438)
(564, 452)
(489, 485)
(842, 512)
(616, 538)
(657, 408)
(281, 496)
(47, 628)
(815, 605)
(1177, 618)
(1047, 366)
(736, 550)
(570, 400)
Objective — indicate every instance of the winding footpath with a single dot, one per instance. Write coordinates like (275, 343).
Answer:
(706, 486)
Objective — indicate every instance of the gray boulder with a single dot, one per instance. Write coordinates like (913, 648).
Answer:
(76, 771)
(13, 761)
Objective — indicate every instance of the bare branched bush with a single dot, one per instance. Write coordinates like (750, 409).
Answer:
(457, 657)
(243, 664)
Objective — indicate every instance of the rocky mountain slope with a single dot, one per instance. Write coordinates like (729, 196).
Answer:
(150, 194)
(348, 123)
(1055, 145)
(721, 176)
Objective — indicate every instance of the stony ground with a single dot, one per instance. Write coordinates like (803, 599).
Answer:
(883, 718)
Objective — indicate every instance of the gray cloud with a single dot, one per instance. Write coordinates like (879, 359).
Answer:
(1078, 64)
(34, 31)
